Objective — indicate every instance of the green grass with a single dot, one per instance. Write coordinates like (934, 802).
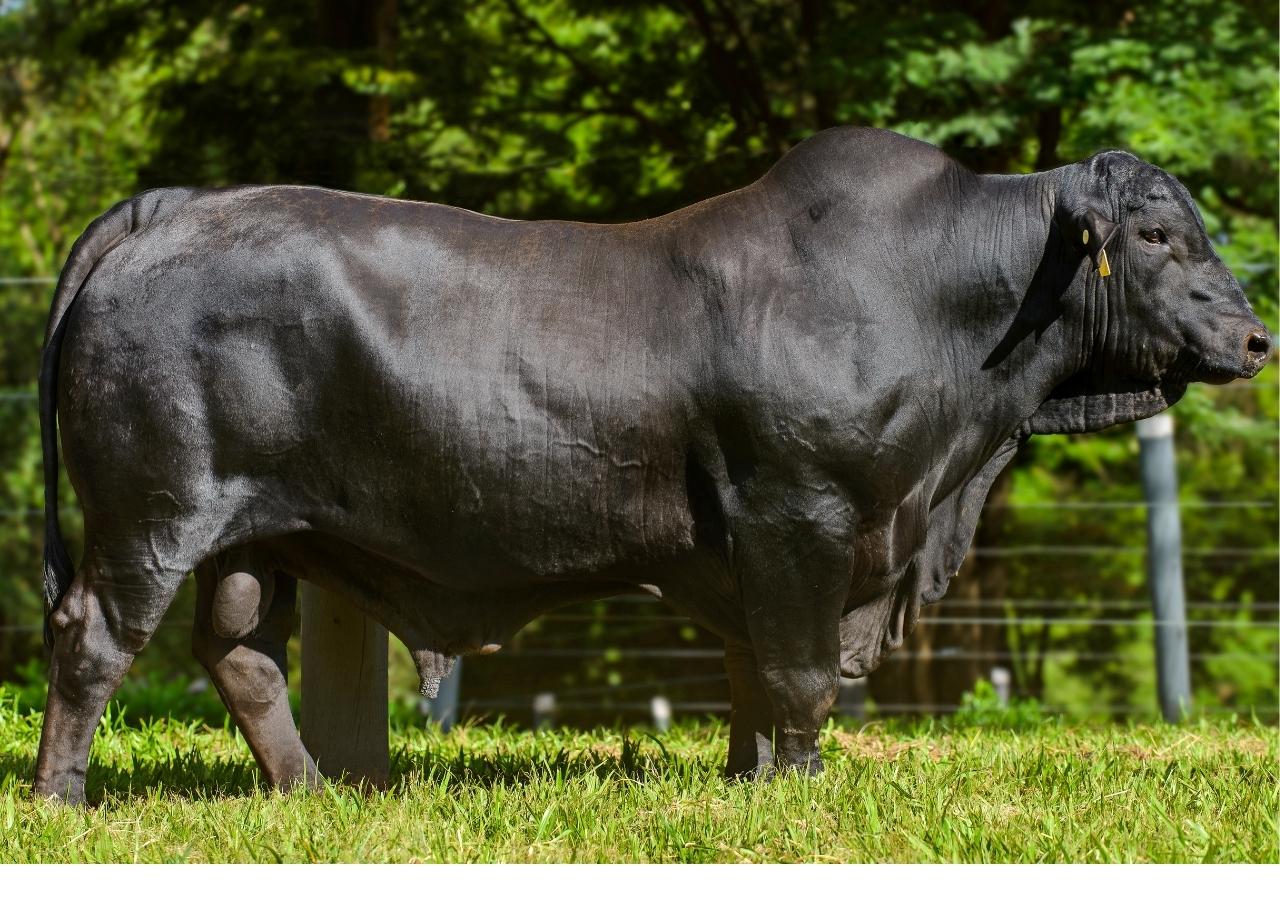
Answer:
(173, 791)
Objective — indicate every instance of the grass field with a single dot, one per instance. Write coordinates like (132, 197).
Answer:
(173, 791)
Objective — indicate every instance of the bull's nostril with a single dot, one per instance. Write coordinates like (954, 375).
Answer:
(1258, 343)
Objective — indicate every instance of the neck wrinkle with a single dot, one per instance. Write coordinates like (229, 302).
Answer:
(1097, 393)
(1032, 336)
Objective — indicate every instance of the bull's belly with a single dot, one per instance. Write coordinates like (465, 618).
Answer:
(472, 610)
(464, 509)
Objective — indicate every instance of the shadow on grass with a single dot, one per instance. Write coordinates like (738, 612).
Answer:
(193, 775)
(634, 761)
(185, 774)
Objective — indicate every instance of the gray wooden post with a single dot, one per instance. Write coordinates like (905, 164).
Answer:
(1164, 565)
(344, 690)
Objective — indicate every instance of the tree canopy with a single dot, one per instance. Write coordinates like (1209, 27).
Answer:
(608, 110)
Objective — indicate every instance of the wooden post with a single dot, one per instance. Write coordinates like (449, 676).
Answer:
(344, 690)
(1164, 565)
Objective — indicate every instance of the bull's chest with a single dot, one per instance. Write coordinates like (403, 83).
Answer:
(885, 546)
(918, 542)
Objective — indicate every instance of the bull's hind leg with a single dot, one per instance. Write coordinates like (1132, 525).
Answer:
(103, 621)
(244, 616)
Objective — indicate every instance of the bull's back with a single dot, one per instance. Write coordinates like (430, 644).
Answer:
(428, 380)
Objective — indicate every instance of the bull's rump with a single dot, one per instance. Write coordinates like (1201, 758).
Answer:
(438, 384)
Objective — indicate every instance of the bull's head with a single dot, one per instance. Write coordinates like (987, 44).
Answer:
(1162, 306)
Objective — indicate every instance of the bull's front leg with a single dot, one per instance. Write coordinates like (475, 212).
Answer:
(801, 689)
(751, 718)
(793, 592)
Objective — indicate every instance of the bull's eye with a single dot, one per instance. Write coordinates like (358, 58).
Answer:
(1154, 236)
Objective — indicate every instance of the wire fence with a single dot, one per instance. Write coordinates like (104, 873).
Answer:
(593, 659)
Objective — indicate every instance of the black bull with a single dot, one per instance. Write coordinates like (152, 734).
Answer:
(779, 410)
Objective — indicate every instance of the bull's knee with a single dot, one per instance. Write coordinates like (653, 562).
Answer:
(90, 650)
(69, 616)
(255, 679)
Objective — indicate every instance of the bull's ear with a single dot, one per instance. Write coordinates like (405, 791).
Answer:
(1087, 229)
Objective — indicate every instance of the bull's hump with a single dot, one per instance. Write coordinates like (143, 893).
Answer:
(852, 159)
(832, 157)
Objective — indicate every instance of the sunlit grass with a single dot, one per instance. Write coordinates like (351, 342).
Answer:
(169, 791)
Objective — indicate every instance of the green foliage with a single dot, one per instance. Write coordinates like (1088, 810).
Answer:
(172, 791)
(141, 699)
(982, 708)
(608, 110)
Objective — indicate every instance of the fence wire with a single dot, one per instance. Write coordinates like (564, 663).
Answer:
(628, 621)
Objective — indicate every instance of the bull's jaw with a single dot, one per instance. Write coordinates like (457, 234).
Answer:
(1078, 406)
(1214, 373)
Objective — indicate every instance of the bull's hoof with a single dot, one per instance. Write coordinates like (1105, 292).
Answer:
(69, 792)
(798, 752)
(301, 777)
(763, 771)
(807, 765)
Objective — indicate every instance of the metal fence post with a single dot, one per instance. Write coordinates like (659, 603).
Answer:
(544, 710)
(1002, 681)
(660, 710)
(1164, 565)
(443, 710)
(344, 689)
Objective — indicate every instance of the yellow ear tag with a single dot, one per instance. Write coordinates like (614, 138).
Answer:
(1104, 267)
(1085, 240)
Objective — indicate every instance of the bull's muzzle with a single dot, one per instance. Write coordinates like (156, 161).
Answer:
(1240, 349)
(1257, 350)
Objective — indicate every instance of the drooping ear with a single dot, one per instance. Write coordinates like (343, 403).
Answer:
(1085, 225)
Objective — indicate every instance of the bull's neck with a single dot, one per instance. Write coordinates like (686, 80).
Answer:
(1006, 290)
(977, 258)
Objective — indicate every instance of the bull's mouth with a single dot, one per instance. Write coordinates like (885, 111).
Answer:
(1213, 375)
(1211, 372)
(1168, 386)
(1090, 401)
(1218, 367)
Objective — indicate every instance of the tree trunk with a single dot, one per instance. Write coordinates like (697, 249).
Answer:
(385, 34)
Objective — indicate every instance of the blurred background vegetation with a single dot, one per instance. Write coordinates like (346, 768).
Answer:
(605, 111)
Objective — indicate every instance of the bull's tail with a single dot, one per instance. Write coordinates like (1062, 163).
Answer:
(99, 238)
